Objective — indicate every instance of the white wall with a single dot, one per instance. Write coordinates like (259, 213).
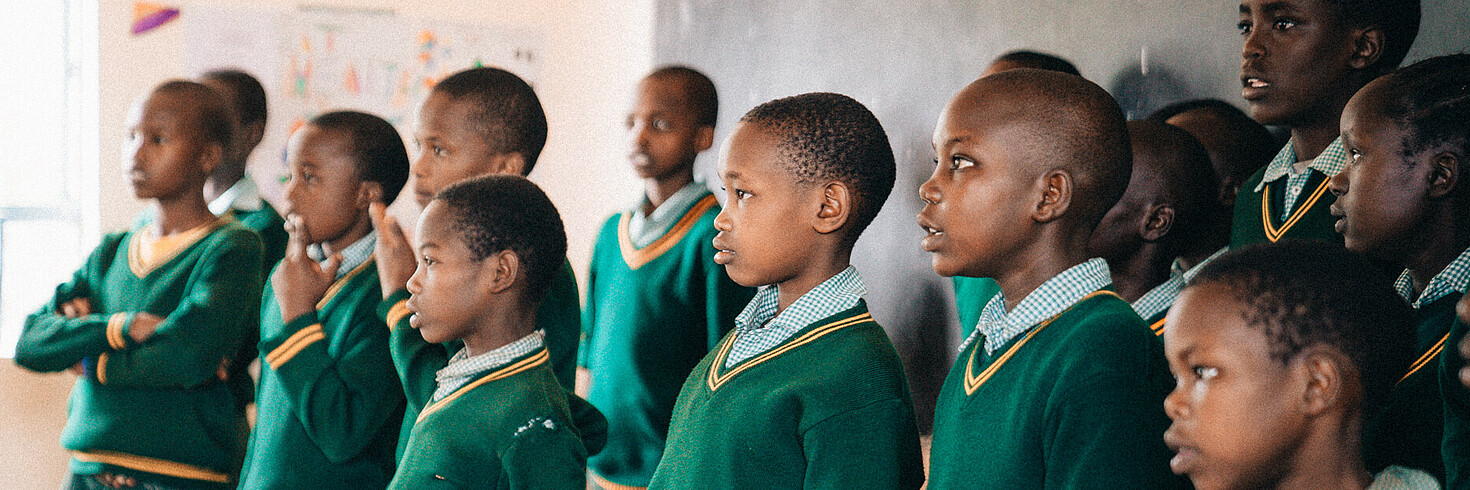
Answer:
(596, 50)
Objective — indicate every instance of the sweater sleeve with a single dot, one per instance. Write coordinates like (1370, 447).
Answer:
(544, 454)
(1107, 431)
(49, 341)
(206, 327)
(560, 316)
(341, 400)
(874, 446)
(1456, 442)
(415, 359)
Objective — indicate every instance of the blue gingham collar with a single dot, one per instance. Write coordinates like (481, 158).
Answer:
(837, 293)
(1454, 278)
(1330, 162)
(352, 255)
(1162, 297)
(462, 368)
(1053, 296)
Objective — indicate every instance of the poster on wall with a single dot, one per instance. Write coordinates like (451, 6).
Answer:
(313, 61)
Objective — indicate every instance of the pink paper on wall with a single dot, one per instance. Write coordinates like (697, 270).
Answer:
(148, 16)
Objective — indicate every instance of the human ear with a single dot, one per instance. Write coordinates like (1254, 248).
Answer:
(1056, 196)
(512, 163)
(1325, 386)
(501, 269)
(704, 139)
(254, 132)
(1367, 48)
(369, 193)
(1157, 222)
(210, 158)
(1444, 174)
(836, 205)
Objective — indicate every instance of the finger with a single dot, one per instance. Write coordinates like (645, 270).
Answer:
(69, 310)
(297, 238)
(376, 212)
(329, 268)
(84, 306)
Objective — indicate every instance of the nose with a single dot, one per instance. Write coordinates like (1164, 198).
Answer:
(722, 220)
(1251, 47)
(420, 165)
(415, 282)
(929, 191)
(1175, 405)
(638, 136)
(1338, 184)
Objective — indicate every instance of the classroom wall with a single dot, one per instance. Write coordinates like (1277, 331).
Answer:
(904, 60)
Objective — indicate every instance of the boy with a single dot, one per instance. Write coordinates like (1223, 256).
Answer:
(807, 391)
(489, 250)
(476, 122)
(656, 300)
(1060, 385)
(1402, 199)
(330, 405)
(971, 293)
(1302, 61)
(1164, 209)
(154, 312)
(1282, 351)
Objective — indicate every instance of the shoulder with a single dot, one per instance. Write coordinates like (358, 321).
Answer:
(263, 219)
(1101, 335)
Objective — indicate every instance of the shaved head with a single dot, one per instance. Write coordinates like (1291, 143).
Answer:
(1169, 164)
(1068, 124)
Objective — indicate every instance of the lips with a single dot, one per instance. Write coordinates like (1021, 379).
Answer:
(933, 234)
(723, 254)
(1341, 216)
(413, 320)
(1252, 86)
(423, 195)
(1184, 455)
(639, 159)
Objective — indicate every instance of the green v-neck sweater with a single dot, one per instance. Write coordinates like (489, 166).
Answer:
(652, 314)
(1409, 431)
(329, 404)
(1258, 214)
(509, 428)
(1076, 402)
(1456, 448)
(156, 408)
(827, 408)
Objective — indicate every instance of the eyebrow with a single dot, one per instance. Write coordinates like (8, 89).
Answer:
(732, 175)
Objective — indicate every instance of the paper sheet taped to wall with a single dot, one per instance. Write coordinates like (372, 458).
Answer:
(316, 61)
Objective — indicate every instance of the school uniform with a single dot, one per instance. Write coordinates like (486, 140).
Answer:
(496, 420)
(970, 296)
(1400, 478)
(329, 403)
(1064, 391)
(656, 304)
(1456, 442)
(1409, 432)
(156, 410)
(814, 397)
(1278, 203)
(1154, 305)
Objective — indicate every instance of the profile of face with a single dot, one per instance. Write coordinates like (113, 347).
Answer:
(1382, 196)
(1234, 422)
(766, 214)
(664, 133)
(449, 147)
(449, 279)
(325, 189)
(165, 153)
(1296, 58)
(978, 201)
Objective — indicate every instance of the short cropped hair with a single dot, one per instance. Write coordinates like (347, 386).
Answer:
(1250, 145)
(213, 115)
(700, 91)
(1304, 293)
(493, 213)
(249, 100)
(505, 111)
(826, 137)
(1399, 20)
(1432, 99)
(376, 148)
(1039, 60)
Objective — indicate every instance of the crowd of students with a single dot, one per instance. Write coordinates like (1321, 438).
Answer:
(1161, 303)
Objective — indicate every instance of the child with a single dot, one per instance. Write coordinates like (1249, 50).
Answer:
(656, 300)
(330, 405)
(807, 391)
(1060, 385)
(489, 249)
(230, 188)
(1166, 206)
(971, 293)
(476, 122)
(1402, 199)
(1281, 352)
(153, 313)
(1303, 59)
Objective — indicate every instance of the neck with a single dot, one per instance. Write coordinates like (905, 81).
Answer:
(1438, 251)
(1047, 257)
(360, 229)
(1333, 460)
(182, 213)
(1310, 137)
(222, 180)
(501, 326)
(1142, 272)
(658, 190)
(815, 273)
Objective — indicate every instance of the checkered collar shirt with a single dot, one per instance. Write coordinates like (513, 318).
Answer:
(758, 328)
(462, 368)
(1162, 297)
(645, 229)
(1454, 278)
(352, 256)
(1330, 162)
(997, 326)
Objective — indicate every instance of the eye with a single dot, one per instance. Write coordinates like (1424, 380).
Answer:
(662, 125)
(1244, 27)
(1282, 24)
(1204, 373)
(958, 162)
(158, 140)
(428, 261)
(741, 194)
(439, 151)
(629, 122)
(1355, 154)
(309, 178)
